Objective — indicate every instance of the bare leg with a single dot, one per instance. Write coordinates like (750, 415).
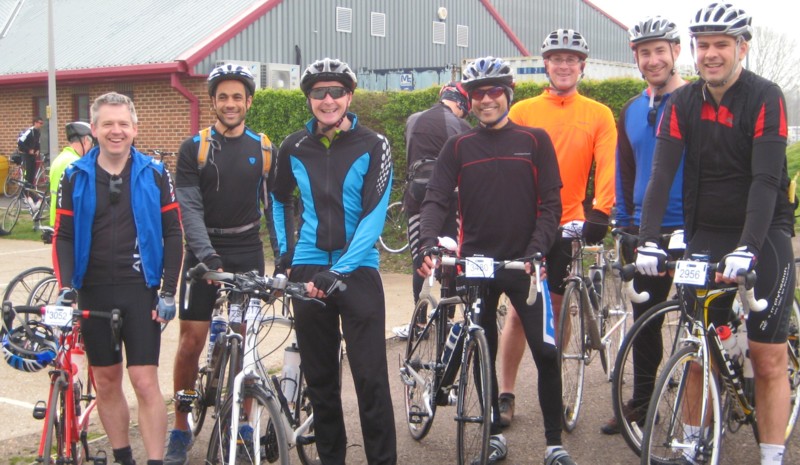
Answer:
(512, 348)
(192, 340)
(152, 409)
(772, 391)
(111, 405)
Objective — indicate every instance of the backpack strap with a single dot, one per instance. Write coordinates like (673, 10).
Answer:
(266, 153)
(202, 149)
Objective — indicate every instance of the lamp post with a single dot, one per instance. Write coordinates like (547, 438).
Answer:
(52, 113)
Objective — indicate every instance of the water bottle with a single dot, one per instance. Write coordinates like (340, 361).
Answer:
(78, 363)
(735, 344)
(218, 326)
(290, 373)
(450, 344)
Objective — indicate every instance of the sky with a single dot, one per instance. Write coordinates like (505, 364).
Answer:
(775, 14)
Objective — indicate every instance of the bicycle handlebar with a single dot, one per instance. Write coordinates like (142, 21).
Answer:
(536, 260)
(114, 316)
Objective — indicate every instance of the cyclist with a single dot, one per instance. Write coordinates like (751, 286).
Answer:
(221, 205)
(584, 133)
(732, 124)
(508, 197)
(426, 133)
(344, 172)
(118, 235)
(79, 136)
(655, 42)
(28, 146)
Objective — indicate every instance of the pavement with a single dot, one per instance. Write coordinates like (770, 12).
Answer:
(19, 432)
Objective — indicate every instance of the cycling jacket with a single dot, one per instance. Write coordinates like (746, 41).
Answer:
(344, 190)
(67, 156)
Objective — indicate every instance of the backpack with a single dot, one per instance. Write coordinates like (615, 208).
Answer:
(205, 145)
(419, 174)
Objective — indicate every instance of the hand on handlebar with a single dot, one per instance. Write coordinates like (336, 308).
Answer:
(67, 297)
(326, 283)
(424, 263)
(651, 259)
(740, 259)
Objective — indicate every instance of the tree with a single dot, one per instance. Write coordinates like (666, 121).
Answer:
(774, 55)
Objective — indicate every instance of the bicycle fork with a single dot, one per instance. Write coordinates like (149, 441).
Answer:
(595, 341)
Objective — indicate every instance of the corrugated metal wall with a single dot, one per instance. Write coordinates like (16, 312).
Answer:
(300, 31)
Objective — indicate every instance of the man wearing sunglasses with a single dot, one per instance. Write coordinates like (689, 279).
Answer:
(655, 42)
(583, 133)
(343, 171)
(509, 199)
(118, 235)
(79, 136)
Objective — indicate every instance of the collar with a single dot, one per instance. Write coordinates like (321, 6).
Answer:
(551, 96)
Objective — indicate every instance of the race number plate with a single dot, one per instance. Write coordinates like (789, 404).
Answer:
(690, 272)
(676, 241)
(479, 267)
(57, 315)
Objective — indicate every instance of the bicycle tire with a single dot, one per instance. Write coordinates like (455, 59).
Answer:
(793, 345)
(42, 179)
(20, 287)
(422, 356)
(474, 401)
(572, 354)
(615, 311)
(302, 410)
(11, 215)
(54, 431)
(394, 237)
(666, 316)
(197, 415)
(44, 292)
(664, 426)
(13, 181)
(270, 427)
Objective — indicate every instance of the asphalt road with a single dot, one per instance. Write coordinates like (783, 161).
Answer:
(18, 392)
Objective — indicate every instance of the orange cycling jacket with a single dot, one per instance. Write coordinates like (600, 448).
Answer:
(582, 130)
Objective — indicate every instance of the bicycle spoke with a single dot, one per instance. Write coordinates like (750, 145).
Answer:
(473, 415)
(394, 238)
(420, 368)
(572, 355)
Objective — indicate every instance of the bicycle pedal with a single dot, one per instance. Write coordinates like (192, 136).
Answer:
(40, 410)
(184, 399)
(99, 459)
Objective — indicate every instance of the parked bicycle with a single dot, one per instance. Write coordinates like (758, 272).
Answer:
(258, 422)
(447, 362)
(394, 238)
(35, 201)
(720, 395)
(16, 175)
(52, 337)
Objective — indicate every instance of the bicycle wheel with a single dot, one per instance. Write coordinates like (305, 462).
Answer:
(473, 410)
(20, 287)
(11, 215)
(302, 412)
(572, 353)
(615, 311)
(394, 238)
(42, 216)
(268, 430)
(197, 414)
(13, 181)
(420, 367)
(44, 292)
(42, 180)
(635, 375)
(54, 433)
(793, 345)
(668, 437)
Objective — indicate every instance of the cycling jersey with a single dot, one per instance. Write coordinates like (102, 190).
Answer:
(635, 145)
(734, 176)
(28, 141)
(583, 132)
(57, 167)
(344, 190)
(134, 239)
(514, 163)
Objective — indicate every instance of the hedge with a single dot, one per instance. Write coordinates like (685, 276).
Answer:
(279, 113)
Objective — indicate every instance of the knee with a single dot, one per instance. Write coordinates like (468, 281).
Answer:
(190, 345)
(145, 382)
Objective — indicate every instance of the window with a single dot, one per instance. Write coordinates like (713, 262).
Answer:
(378, 24)
(438, 32)
(80, 107)
(344, 19)
(462, 36)
(40, 106)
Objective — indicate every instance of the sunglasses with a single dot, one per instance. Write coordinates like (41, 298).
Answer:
(493, 93)
(653, 113)
(335, 92)
(114, 189)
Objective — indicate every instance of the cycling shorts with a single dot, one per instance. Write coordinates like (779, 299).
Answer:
(197, 299)
(141, 335)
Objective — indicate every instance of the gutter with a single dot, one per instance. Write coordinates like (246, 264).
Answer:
(194, 102)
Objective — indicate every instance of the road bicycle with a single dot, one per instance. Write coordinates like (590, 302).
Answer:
(39, 209)
(72, 398)
(257, 399)
(448, 362)
(394, 237)
(594, 316)
(16, 175)
(703, 383)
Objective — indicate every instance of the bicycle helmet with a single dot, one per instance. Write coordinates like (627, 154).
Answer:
(455, 92)
(654, 28)
(231, 71)
(78, 129)
(721, 18)
(328, 69)
(565, 40)
(30, 347)
(487, 71)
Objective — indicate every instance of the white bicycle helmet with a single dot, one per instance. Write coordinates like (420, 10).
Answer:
(487, 71)
(230, 71)
(565, 40)
(654, 28)
(328, 69)
(30, 347)
(721, 18)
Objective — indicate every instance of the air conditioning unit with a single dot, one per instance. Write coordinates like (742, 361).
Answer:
(253, 66)
(281, 76)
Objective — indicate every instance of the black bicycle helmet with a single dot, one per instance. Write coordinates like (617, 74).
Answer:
(487, 71)
(231, 71)
(328, 69)
(721, 18)
(78, 129)
(30, 347)
(654, 28)
(565, 40)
